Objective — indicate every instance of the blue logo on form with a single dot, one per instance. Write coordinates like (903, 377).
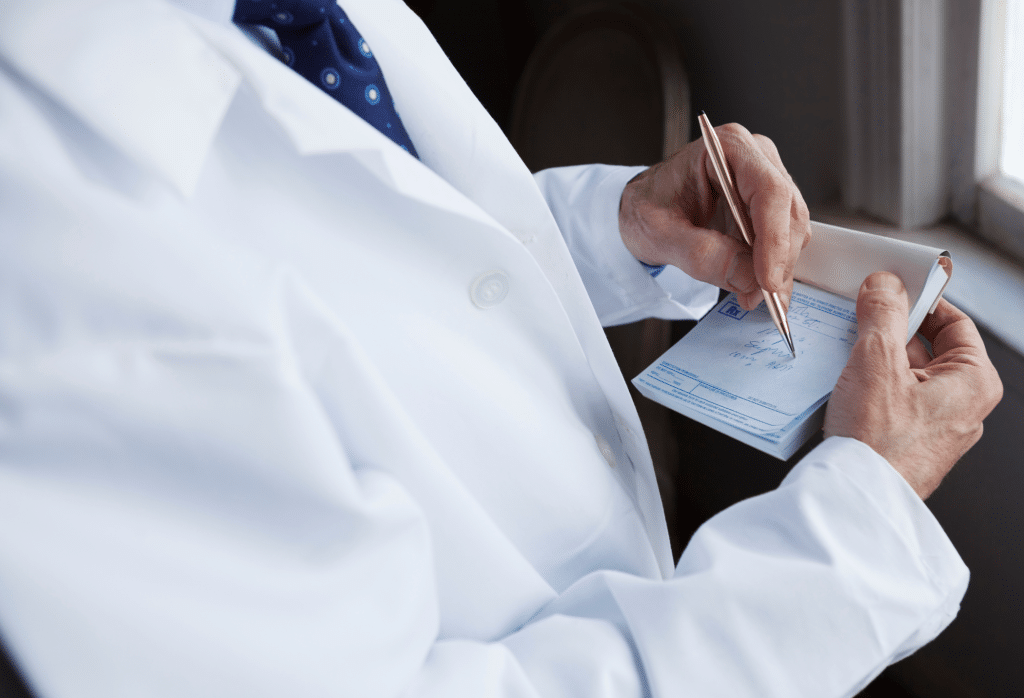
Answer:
(733, 310)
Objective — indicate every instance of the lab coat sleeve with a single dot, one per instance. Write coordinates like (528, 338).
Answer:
(585, 202)
(809, 590)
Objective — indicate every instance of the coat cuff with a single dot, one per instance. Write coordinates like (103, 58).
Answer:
(585, 202)
(894, 500)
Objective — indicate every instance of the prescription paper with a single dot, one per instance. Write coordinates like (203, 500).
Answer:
(734, 371)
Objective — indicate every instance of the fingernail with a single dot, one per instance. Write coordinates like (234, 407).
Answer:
(883, 282)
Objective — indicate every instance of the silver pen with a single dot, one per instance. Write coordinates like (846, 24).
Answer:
(718, 161)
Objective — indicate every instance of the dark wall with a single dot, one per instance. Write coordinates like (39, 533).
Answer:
(488, 41)
(773, 67)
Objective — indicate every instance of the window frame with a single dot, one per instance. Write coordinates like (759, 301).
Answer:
(1000, 198)
(923, 109)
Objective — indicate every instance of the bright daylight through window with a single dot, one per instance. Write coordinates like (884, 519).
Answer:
(1011, 157)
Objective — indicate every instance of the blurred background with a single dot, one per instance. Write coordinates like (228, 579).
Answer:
(902, 118)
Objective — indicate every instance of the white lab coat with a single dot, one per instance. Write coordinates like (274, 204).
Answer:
(284, 411)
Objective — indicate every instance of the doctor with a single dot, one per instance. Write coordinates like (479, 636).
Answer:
(288, 411)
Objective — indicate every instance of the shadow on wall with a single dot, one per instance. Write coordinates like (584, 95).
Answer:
(773, 67)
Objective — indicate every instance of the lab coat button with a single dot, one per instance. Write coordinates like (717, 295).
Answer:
(606, 449)
(489, 289)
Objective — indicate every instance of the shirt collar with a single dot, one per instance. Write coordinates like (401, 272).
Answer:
(136, 71)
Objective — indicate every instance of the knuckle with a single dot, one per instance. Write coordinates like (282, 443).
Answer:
(701, 253)
(875, 351)
(764, 141)
(808, 234)
(970, 439)
(774, 187)
(875, 344)
(995, 389)
(883, 355)
(880, 302)
(656, 234)
(781, 181)
(800, 209)
(733, 129)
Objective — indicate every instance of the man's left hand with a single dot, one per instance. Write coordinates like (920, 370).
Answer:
(675, 213)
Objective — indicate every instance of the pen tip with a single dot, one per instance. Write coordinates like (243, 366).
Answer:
(703, 113)
(788, 339)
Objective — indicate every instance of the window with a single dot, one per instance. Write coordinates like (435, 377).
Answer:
(999, 161)
(934, 96)
(1011, 156)
(935, 114)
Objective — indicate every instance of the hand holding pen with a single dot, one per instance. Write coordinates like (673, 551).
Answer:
(675, 213)
(732, 198)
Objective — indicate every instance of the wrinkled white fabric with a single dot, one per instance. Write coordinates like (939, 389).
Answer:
(257, 438)
(585, 202)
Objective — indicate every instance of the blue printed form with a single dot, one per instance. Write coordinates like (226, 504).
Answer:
(734, 372)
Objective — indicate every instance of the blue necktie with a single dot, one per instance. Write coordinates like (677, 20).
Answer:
(320, 43)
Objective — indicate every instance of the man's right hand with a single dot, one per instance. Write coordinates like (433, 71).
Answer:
(919, 413)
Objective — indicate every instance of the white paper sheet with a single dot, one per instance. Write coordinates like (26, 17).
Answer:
(735, 369)
(839, 259)
(733, 373)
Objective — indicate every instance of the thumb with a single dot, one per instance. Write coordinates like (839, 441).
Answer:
(882, 308)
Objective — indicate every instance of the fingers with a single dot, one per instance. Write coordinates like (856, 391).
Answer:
(765, 190)
(799, 216)
(917, 354)
(708, 255)
(882, 308)
(767, 146)
(960, 355)
(949, 328)
(668, 215)
(920, 419)
(752, 299)
(778, 215)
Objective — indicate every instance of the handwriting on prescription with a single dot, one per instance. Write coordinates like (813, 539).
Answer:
(817, 320)
(766, 344)
(766, 350)
(749, 360)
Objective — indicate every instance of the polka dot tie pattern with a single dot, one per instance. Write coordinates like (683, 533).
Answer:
(321, 44)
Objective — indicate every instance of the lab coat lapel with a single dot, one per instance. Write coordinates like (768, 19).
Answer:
(133, 70)
(458, 139)
(453, 133)
(471, 168)
(194, 68)
(319, 125)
